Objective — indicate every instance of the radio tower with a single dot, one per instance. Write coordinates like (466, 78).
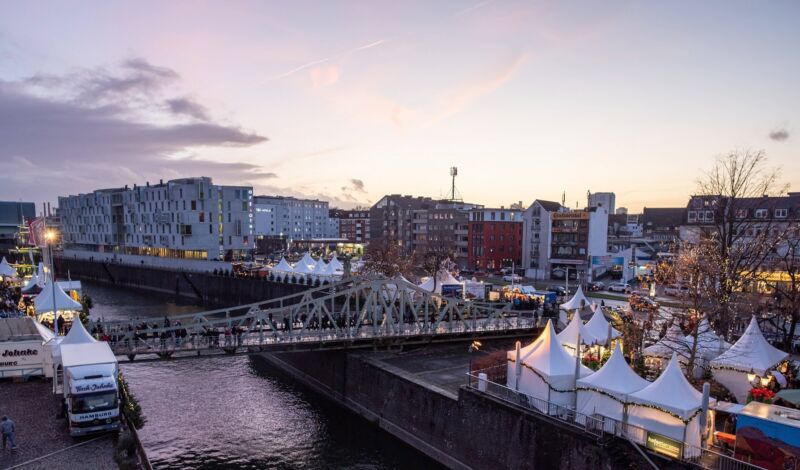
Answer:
(453, 174)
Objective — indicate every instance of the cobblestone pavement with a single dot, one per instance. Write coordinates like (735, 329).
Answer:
(33, 407)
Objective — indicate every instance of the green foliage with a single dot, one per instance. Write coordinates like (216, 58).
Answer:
(86, 305)
(130, 406)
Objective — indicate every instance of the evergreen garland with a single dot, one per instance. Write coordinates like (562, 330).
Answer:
(130, 405)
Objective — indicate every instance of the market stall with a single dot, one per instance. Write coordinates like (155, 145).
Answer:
(568, 337)
(605, 393)
(545, 372)
(282, 269)
(668, 411)
(53, 298)
(600, 328)
(673, 342)
(6, 270)
(750, 360)
(577, 302)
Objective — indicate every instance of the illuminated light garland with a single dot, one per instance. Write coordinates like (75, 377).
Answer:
(544, 380)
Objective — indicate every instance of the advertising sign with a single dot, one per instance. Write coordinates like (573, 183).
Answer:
(21, 354)
(474, 291)
(453, 291)
(608, 260)
(664, 445)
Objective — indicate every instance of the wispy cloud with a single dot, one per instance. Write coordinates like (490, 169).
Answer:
(323, 60)
(779, 135)
(472, 8)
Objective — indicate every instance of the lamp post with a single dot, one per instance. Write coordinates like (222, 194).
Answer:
(49, 236)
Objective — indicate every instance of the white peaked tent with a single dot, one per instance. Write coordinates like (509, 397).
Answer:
(597, 326)
(390, 289)
(306, 265)
(45, 302)
(335, 266)
(606, 391)
(544, 370)
(321, 268)
(37, 280)
(577, 301)
(709, 344)
(669, 406)
(672, 342)
(569, 335)
(283, 267)
(444, 277)
(6, 270)
(751, 354)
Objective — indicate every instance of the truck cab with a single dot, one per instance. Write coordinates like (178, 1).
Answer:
(91, 392)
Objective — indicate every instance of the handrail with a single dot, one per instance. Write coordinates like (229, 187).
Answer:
(641, 452)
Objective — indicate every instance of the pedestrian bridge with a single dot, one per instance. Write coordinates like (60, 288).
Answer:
(356, 312)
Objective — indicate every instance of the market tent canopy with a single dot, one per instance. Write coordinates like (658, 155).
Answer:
(569, 335)
(321, 268)
(6, 270)
(335, 266)
(598, 326)
(283, 267)
(671, 391)
(46, 302)
(709, 343)
(672, 342)
(751, 352)
(577, 301)
(77, 334)
(443, 278)
(615, 377)
(305, 265)
(548, 357)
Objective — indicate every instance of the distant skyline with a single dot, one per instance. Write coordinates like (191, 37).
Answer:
(348, 101)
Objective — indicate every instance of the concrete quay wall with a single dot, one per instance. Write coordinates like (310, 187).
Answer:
(470, 431)
(205, 287)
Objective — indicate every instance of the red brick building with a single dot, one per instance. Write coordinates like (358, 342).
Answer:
(495, 238)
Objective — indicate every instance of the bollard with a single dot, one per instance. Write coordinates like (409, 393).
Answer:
(482, 381)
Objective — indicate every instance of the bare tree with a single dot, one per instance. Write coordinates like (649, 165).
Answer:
(434, 256)
(385, 257)
(737, 185)
(782, 278)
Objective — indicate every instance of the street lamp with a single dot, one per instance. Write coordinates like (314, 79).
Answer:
(49, 237)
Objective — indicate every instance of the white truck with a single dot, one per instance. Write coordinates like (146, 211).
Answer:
(90, 388)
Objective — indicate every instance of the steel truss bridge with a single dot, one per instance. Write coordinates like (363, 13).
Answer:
(357, 312)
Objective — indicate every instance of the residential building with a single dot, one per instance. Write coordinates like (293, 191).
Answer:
(495, 238)
(396, 219)
(293, 218)
(448, 229)
(576, 237)
(662, 224)
(12, 215)
(353, 225)
(605, 200)
(536, 238)
(188, 218)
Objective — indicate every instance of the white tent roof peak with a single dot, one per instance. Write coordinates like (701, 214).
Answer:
(283, 266)
(709, 343)
(577, 301)
(335, 264)
(569, 335)
(597, 326)
(671, 391)
(305, 265)
(672, 342)
(547, 356)
(615, 377)
(77, 334)
(442, 278)
(45, 302)
(6, 270)
(751, 352)
(321, 267)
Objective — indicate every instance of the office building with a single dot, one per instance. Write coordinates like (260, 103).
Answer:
(495, 238)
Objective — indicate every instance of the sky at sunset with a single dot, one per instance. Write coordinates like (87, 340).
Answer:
(348, 101)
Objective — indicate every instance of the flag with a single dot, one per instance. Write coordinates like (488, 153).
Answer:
(37, 227)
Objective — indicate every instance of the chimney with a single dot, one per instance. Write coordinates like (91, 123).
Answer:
(161, 181)
(148, 184)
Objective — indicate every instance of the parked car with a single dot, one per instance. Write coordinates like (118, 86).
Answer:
(596, 286)
(641, 303)
(620, 287)
(512, 278)
(676, 290)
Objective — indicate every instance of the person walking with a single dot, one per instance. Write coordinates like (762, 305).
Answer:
(7, 428)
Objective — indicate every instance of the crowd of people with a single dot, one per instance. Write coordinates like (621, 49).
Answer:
(10, 296)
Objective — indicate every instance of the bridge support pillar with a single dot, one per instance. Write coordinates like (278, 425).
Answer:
(131, 357)
(229, 350)
(165, 354)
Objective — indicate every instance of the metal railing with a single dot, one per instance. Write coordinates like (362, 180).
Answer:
(595, 425)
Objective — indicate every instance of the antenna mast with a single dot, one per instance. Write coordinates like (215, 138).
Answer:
(453, 174)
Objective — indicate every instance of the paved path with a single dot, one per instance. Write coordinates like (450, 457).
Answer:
(34, 408)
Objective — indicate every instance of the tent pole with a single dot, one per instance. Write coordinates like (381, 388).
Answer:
(577, 369)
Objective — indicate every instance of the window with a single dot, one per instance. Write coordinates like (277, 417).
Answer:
(761, 214)
(781, 213)
(741, 213)
(709, 216)
(692, 216)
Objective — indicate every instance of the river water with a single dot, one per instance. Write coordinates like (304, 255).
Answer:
(229, 412)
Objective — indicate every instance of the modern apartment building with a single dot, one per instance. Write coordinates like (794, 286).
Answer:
(292, 218)
(353, 224)
(495, 238)
(576, 236)
(537, 221)
(188, 218)
(448, 229)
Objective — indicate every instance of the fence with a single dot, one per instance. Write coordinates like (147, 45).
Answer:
(595, 425)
